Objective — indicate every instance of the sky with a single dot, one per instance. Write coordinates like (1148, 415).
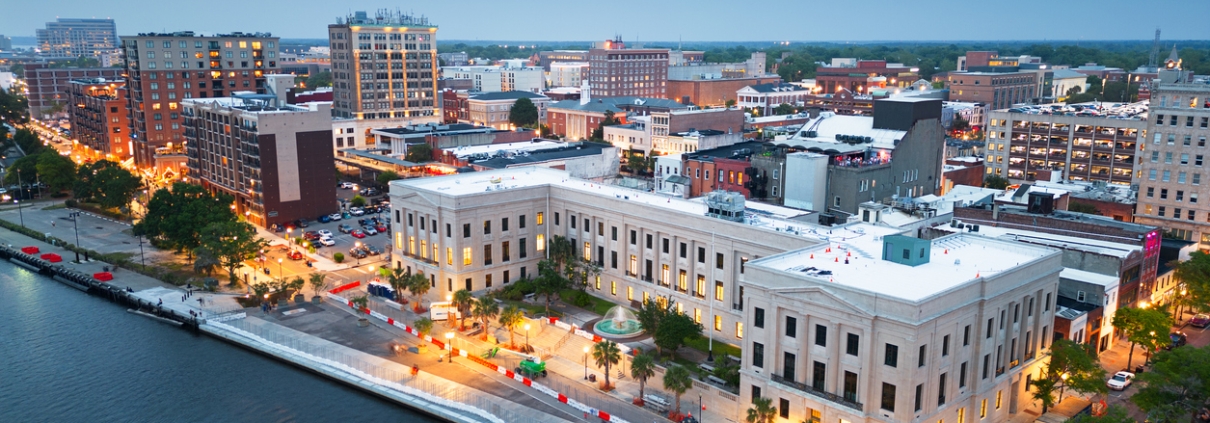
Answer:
(657, 20)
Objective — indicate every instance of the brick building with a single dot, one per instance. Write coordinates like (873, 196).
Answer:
(713, 92)
(48, 87)
(99, 118)
(616, 71)
(165, 69)
(401, 49)
(576, 119)
(998, 90)
(545, 58)
(861, 76)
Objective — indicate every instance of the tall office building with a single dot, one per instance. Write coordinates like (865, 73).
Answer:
(1171, 174)
(71, 38)
(99, 118)
(164, 69)
(616, 71)
(6, 43)
(384, 67)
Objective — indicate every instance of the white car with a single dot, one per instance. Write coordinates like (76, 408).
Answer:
(346, 185)
(334, 216)
(357, 211)
(327, 241)
(324, 233)
(1120, 381)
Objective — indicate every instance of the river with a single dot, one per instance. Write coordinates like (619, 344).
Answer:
(66, 356)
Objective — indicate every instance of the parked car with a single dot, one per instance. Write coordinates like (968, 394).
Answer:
(1201, 320)
(357, 211)
(302, 223)
(346, 185)
(310, 235)
(334, 216)
(381, 228)
(344, 229)
(346, 215)
(324, 233)
(372, 250)
(369, 230)
(295, 255)
(1178, 339)
(324, 219)
(1120, 381)
(357, 233)
(358, 253)
(327, 242)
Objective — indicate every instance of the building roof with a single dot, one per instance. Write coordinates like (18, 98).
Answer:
(1067, 74)
(1107, 281)
(776, 87)
(565, 151)
(1113, 249)
(507, 95)
(743, 149)
(444, 129)
(504, 149)
(828, 126)
(605, 104)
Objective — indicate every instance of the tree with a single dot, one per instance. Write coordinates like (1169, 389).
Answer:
(106, 183)
(177, 215)
(14, 108)
(231, 242)
(57, 171)
(523, 114)
(1177, 385)
(1195, 274)
(463, 300)
(673, 330)
(960, 124)
(1081, 207)
(260, 289)
(419, 153)
(1073, 365)
(423, 326)
(318, 283)
(484, 310)
(549, 281)
(995, 182)
(385, 178)
(727, 370)
(398, 279)
(321, 79)
(730, 103)
(678, 381)
(784, 109)
(358, 201)
(598, 134)
(761, 411)
(642, 368)
(650, 314)
(605, 354)
(23, 171)
(1148, 327)
(509, 319)
(639, 164)
(207, 261)
(418, 285)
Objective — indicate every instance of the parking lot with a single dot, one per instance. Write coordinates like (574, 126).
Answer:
(345, 241)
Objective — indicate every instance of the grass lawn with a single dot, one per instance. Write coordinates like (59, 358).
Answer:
(55, 206)
(599, 305)
(702, 344)
(532, 309)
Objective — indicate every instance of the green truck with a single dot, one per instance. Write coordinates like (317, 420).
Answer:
(531, 367)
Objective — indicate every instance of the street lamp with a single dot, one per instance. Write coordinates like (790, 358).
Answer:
(290, 238)
(1064, 388)
(280, 274)
(585, 363)
(527, 337)
(76, 227)
(449, 309)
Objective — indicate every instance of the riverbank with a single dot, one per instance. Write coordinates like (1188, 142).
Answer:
(222, 317)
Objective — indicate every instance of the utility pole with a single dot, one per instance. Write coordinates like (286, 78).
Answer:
(18, 199)
(75, 219)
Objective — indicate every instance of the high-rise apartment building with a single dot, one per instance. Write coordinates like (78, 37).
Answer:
(48, 87)
(270, 156)
(164, 69)
(99, 118)
(71, 38)
(384, 67)
(1172, 171)
(6, 43)
(616, 71)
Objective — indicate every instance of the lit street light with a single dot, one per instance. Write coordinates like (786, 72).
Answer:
(280, 274)
(527, 337)
(449, 344)
(1064, 388)
(585, 363)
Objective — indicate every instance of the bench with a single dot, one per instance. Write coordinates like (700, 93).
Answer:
(655, 399)
(716, 380)
(706, 368)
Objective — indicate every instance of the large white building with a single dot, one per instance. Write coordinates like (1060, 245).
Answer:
(567, 74)
(489, 79)
(956, 334)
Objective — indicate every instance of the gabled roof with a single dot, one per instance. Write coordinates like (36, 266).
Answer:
(506, 95)
(775, 87)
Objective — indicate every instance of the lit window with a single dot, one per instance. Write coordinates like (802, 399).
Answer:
(630, 293)
(466, 256)
(541, 244)
(449, 256)
(540, 218)
(718, 323)
(739, 330)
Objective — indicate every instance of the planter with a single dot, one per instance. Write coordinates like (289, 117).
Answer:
(363, 322)
(282, 302)
(423, 348)
(300, 298)
(317, 299)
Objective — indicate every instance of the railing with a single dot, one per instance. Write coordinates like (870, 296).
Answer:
(819, 393)
(422, 259)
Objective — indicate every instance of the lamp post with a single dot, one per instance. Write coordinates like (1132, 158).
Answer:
(1064, 387)
(585, 363)
(280, 274)
(142, 258)
(290, 239)
(76, 227)
(449, 310)
(357, 246)
(527, 337)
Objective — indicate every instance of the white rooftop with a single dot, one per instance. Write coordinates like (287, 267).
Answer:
(1089, 277)
(1113, 249)
(828, 125)
(852, 257)
(512, 147)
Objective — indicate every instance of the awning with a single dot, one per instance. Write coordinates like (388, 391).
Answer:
(677, 179)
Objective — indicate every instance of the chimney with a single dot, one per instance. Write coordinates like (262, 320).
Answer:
(585, 93)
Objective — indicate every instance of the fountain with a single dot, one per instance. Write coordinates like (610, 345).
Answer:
(618, 322)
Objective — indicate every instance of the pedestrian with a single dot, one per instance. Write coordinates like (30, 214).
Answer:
(52, 223)
(160, 303)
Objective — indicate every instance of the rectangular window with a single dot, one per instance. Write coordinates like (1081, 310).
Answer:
(718, 323)
(784, 408)
(758, 317)
(524, 252)
(701, 254)
(556, 218)
(853, 344)
(791, 327)
(600, 228)
(505, 253)
(487, 227)
(739, 330)
(966, 334)
(919, 396)
(487, 255)
(945, 346)
(821, 335)
(541, 218)
(941, 390)
(787, 366)
(466, 256)
(521, 222)
(987, 360)
(540, 242)
(466, 230)
(983, 408)
(570, 218)
(634, 237)
(684, 249)
(758, 354)
(888, 397)
(718, 260)
(999, 397)
(649, 241)
(613, 233)
(449, 256)
(504, 224)
(990, 323)
(818, 376)
(718, 290)
(448, 229)
(664, 245)
(962, 375)
(923, 353)
(891, 355)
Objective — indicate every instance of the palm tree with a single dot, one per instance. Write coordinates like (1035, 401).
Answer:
(677, 380)
(318, 283)
(484, 310)
(463, 300)
(605, 354)
(418, 285)
(398, 280)
(762, 411)
(641, 368)
(509, 319)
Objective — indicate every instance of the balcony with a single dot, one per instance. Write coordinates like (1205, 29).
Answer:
(821, 394)
(425, 260)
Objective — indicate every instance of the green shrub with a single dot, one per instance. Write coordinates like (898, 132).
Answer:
(581, 299)
(71, 203)
(338, 257)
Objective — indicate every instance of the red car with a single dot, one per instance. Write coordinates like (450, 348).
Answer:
(295, 255)
(1201, 320)
(357, 233)
(381, 228)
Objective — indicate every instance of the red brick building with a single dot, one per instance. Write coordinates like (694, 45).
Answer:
(576, 119)
(713, 92)
(961, 171)
(454, 106)
(49, 86)
(723, 168)
(998, 90)
(864, 76)
(616, 71)
(99, 118)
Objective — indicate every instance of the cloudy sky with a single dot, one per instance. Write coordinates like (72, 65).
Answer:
(658, 20)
